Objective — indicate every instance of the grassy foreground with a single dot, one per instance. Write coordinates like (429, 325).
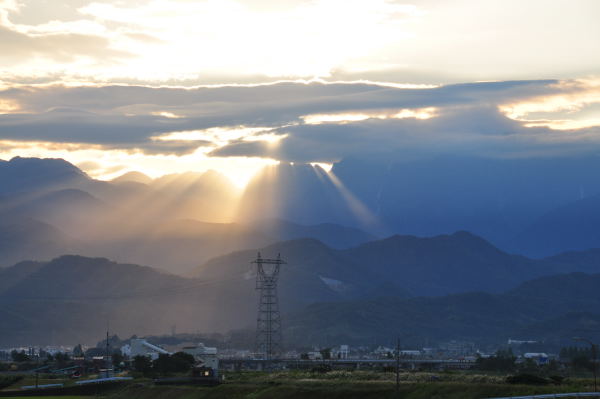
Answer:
(347, 385)
(330, 391)
(342, 384)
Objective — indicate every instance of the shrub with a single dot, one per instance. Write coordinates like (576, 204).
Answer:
(528, 379)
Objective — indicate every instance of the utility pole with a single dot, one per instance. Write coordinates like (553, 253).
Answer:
(594, 355)
(268, 322)
(398, 365)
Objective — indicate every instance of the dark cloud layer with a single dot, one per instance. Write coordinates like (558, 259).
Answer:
(130, 117)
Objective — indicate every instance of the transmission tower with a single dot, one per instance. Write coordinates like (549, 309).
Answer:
(268, 327)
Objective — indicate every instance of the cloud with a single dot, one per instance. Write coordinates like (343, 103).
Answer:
(18, 47)
(233, 119)
(233, 41)
(474, 131)
(56, 42)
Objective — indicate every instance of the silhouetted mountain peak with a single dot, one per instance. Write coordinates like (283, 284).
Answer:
(133, 177)
(303, 244)
(462, 239)
(35, 163)
(32, 174)
(574, 285)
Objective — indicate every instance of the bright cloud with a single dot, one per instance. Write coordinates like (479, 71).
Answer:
(242, 41)
(316, 119)
(576, 107)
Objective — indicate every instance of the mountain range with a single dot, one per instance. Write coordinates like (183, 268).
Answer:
(551, 310)
(71, 299)
(174, 223)
(341, 281)
(432, 266)
(371, 290)
(512, 203)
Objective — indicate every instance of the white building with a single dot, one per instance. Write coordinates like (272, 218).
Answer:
(141, 347)
(539, 358)
(205, 355)
(344, 351)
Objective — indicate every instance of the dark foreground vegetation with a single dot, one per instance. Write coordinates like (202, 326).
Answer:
(345, 385)
(349, 384)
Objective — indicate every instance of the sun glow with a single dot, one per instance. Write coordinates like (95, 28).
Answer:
(296, 40)
(167, 114)
(8, 107)
(108, 164)
(325, 166)
(221, 135)
(349, 117)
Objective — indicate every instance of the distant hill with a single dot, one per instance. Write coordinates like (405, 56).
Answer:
(586, 261)
(433, 266)
(571, 227)
(70, 299)
(314, 272)
(562, 287)
(510, 202)
(560, 330)
(301, 193)
(175, 223)
(133, 177)
(478, 317)
(21, 175)
(444, 264)
(176, 246)
(31, 239)
(332, 235)
(492, 198)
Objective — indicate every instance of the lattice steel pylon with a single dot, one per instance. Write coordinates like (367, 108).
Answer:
(268, 322)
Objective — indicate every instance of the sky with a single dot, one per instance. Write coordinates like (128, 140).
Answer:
(170, 86)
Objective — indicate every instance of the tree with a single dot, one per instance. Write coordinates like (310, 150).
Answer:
(529, 366)
(143, 364)
(78, 351)
(61, 359)
(182, 361)
(162, 364)
(326, 353)
(177, 363)
(117, 358)
(19, 356)
(582, 362)
(504, 360)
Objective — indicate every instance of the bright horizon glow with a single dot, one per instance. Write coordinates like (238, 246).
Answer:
(349, 117)
(241, 41)
(219, 46)
(102, 164)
